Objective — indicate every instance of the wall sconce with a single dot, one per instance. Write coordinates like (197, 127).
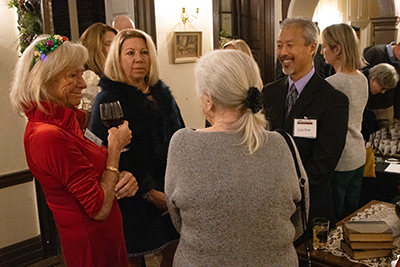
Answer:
(188, 18)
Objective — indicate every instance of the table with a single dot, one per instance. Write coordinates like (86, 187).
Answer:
(383, 188)
(324, 259)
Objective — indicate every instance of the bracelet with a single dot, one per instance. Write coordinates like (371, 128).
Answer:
(146, 196)
(114, 170)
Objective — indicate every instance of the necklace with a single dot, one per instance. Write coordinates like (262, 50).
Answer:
(146, 91)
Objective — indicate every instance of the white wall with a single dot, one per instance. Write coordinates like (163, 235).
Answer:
(12, 157)
(180, 77)
(302, 8)
(18, 209)
(18, 214)
(354, 12)
(118, 7)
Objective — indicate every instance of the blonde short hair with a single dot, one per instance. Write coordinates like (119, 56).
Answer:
(92, 39)
(113, 69)
(240, 45)
(29, 83)
(343, 35)
(226, 77)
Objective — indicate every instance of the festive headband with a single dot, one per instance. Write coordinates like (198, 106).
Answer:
(43, 48)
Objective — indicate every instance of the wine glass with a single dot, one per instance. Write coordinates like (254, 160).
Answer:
(397, 209)
(111, 115)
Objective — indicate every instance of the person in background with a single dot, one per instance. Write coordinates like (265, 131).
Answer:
(240, 45)
(340, 49)
(97, 39)
(131, 76)
(79, 176)
(310, 109)
(122, 22)
(385, 106)
(230, 196)
(382, 77)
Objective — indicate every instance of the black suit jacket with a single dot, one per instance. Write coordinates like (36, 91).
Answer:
(375, 55)
(330, 107)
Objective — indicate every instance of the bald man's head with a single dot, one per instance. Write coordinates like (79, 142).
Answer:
(123, 22)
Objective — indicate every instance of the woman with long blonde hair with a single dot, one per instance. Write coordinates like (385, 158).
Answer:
(131, 76)
(340, 49)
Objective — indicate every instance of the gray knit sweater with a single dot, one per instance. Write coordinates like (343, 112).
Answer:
(232, 208)
(356, 89)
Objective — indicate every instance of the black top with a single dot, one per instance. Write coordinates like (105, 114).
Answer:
(153, 120)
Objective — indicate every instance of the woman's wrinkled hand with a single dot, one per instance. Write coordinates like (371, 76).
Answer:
(119, 137)
(127, 185)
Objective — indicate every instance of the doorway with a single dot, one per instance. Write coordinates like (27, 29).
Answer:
(254, 22)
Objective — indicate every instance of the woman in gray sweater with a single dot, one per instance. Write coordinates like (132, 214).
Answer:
(232, 188)
(341, 50)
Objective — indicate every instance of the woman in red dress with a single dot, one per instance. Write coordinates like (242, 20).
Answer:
(79, 176)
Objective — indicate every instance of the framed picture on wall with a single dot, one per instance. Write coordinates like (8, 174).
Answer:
(186, 47)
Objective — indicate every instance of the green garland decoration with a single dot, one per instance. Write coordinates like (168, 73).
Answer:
(30, 23)
(43, 48)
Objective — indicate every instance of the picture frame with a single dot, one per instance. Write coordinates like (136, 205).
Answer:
(186, 46)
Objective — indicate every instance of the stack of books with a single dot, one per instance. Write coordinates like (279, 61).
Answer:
(367, 239)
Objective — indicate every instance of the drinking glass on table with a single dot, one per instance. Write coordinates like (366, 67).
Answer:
(320, 233)
(112, 116)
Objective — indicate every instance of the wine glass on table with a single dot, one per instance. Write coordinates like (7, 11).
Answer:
(112, 116)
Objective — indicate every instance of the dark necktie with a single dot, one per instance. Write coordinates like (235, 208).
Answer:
(291, 98)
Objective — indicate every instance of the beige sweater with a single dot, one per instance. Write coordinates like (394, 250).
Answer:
(231, 208)
(356, 89)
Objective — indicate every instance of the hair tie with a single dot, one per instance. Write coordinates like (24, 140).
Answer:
(254, 100)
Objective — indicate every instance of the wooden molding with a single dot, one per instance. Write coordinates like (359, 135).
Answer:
(216, 4)
(385, 23)
(285, 8)
(15, 178)
(47, 17)
(385, 29)
(145, 18)
(23, 253)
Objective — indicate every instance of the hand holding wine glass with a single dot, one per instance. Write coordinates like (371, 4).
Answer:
(112, 116)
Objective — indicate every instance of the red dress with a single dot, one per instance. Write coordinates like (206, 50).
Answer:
(68, 166)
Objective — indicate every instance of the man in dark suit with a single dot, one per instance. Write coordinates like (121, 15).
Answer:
(385, 106)
(310, 109)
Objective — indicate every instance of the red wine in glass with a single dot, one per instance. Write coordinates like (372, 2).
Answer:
(111, 115)
(112, 122)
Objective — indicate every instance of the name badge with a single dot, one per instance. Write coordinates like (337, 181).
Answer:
(305, 128)
(93, 138)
